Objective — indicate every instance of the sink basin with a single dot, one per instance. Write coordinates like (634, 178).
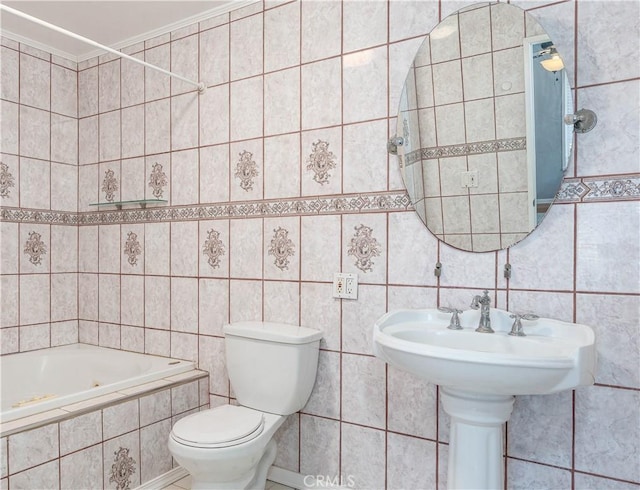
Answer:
(554, 355)
(480, 373)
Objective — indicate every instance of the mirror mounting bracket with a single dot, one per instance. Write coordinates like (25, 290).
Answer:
(393, 144)
(582, 121)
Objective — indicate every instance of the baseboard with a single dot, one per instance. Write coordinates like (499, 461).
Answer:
(276, 474)
(286, 477)
(301, 482)
(164, 480)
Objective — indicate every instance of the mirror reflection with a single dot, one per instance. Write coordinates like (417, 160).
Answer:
(481, 116)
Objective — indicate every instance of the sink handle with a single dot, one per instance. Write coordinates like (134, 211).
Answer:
(516, 328)
(454, 324)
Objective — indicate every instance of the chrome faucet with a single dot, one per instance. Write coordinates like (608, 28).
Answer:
(484, 303)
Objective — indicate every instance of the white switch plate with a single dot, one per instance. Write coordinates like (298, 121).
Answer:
(469, 179)
(345, 285)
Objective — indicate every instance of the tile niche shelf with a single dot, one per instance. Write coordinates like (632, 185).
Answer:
(120, 204)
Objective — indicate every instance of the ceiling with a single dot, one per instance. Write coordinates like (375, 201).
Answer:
(112, 23)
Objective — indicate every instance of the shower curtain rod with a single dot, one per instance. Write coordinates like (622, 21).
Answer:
(199, 85)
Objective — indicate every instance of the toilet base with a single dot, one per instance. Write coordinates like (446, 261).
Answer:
(255, 480)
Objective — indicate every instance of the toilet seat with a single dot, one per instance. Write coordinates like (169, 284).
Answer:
(224, 426)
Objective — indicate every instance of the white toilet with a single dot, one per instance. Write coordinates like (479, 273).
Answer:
(272, 369)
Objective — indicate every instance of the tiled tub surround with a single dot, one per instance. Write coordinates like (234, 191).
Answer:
(38, 175)
(282, 78)
(113, 441)
(45, 379)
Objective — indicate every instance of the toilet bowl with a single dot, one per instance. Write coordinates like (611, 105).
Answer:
(225, 447)
(272, 368)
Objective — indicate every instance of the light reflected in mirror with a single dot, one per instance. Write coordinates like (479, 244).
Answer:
(484, 143)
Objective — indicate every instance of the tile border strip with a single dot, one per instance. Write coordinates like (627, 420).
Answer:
(624, 187)
(492, 146)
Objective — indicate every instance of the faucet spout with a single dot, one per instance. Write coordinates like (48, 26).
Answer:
(484, 304)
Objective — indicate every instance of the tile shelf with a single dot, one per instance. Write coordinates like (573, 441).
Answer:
(119, 204)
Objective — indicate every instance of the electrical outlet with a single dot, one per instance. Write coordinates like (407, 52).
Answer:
(469, 179)
(345, 285)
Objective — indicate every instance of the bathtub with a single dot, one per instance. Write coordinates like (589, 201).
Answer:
(42, 380)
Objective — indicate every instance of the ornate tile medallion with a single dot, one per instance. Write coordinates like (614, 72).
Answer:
(282, 248)
(246, 170)
(6, 180)
(321, 161)
(157, 180)
(35, 248)
(132, 248)
(122, 468)
(109, 185)
(213, 248)
(363, 247)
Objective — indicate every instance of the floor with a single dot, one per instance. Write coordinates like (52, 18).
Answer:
(185, 484)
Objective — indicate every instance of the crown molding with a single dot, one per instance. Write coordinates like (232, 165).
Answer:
(207, 14)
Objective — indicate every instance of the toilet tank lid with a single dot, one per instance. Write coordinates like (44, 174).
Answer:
(274, 332)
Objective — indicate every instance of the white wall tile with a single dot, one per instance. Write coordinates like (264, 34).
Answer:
(320, 446)
(282, 37)
(247, 47)
(363, 395)
(362, 456)
(321, 30)
(109, 86)
(321, 94)
(184, 60)
(35, 82)
(606, 433)
(364, 83)
(282, 101)
(246, 115)
(613, 227)
(33, 447)
(214, 55)
(406, 458)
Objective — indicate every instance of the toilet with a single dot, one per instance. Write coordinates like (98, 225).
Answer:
(272, 369)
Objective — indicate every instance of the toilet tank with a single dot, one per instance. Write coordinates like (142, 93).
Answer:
(272, 366)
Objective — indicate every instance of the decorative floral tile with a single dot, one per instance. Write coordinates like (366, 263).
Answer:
(132, 248)
(122, 468)
(35, 248)
(321, 161)
(109, 185)
(246, 170)
(158, 180)
(281, 248)
(363, 246)
(213, 248)
(6, 180)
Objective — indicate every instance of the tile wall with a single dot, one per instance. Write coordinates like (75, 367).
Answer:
(277, 176)
(39, 176)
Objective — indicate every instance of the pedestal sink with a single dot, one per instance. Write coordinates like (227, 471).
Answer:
(479, 374)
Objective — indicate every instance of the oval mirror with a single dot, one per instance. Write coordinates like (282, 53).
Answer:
(484, 145)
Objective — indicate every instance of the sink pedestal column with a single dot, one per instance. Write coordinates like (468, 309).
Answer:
(476, 439)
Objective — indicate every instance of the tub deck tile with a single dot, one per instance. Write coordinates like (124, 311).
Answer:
(151, 386)
(188, 375)
(28, 422)
(92, 402)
